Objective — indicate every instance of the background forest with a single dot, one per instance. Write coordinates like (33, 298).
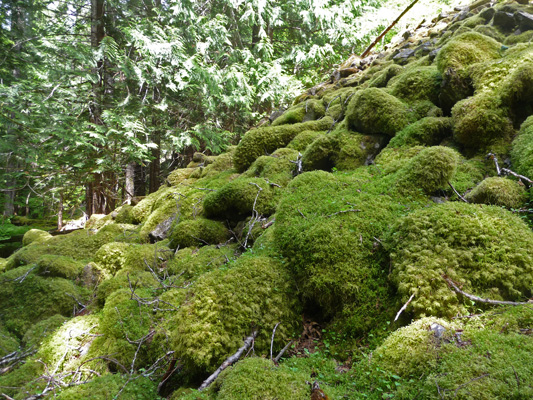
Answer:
(101, 99)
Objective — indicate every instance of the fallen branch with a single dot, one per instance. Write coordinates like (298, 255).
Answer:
(479, 299)
(229, 361)
(404, 307)
(506, 171)
(371, 46)
(457, 193)
(272, 340)
(283, 350)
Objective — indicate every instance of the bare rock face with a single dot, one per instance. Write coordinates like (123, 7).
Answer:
(162, 230)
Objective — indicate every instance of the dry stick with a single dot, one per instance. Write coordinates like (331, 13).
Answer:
(341, 212)
(479, 299)
(365, 53)
(283, 350)
(404, 307)
(272, 340)
(229, 361)
(507, 171)
(457, 193)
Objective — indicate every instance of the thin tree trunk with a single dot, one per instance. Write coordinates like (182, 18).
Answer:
(130, 183)
(60, 212)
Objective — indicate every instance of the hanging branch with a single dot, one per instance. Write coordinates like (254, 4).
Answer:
(371, 46)
(229, 361)
(479, 299)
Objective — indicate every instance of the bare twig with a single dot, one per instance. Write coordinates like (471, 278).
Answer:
(229, 361)
(283, 350)
(272, 340)
(469, 382)
(457, 193)
(342, 212)
(506, 171)
(301, 213)
(376, 41)
(404, 307)
(479, 299)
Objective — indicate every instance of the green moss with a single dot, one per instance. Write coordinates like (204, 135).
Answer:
(23, 380)
(391, 159)
(195, 262)
(304, 139)
(27, 301)
(334, 253)
(122, 280)
(35, 235)
(498, 191)
(522, 149)
(278, 170)
(484, 248)
(480, 120)
(308, 110)
(259, 141)
(8, 342)
(414, 349)
(421, 83)
(97, 221)
(429, 170)
(492, 32)
(211, 325)
(60, 266)
(111, 256)
(524, 37)
(109, 386)
(138, 255)
(467, 49)
(469, 173)
(517, 89)
(236, 199)
(382, 78)
(124, 214)
(198, 232)
(259, 379)
(342, 149)
(429, 131)
(179, 175)
(143, 208)
(42, 329)
(374, 111)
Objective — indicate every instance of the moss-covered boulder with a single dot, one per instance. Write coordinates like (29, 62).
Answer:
(190, 263)
(259, 141)
(308, 110)
(431, 169)
(522, 149)
(422, 83)
(304, 139)
(374, 111)
(111, 256)
(27, 298)
(35, 236)
(59, 266)
(480, 120)
(225, 305)
(123, 215)
(8, 342)
(485, 249)
(258, 378)
(41, 330)
(517, 90)
(429, 131)
(198, 232)
(236, 199)
(499, 192)
(277, 168)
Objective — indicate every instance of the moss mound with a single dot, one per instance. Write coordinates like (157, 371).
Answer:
(522, 149)
(517, 90)
(193, 263)
(236, 199)
(198, 232)
(422, 83)
(35, 235)
(467, 49)
(123, 215)
(480, 120)
(276, 168)
(484, 248)
(429, 131)
(111, 256)
(259, 141)
(27, 298)
(373, 111)
(42, 329)
(60, 266)
(308, 110)
(304, 139)
(429, 170)
(499, 192)
(258, 378)
(225, 304)
(8, 342)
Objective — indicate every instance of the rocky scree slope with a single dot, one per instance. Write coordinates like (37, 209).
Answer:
(371, 192)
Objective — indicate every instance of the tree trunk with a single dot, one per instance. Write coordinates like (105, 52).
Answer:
(129, 187)
(60, 212)
(155, 164)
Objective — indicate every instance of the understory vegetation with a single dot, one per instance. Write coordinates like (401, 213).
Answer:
(375, 239)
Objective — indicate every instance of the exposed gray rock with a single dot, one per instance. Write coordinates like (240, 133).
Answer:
(524, 20)
(162, 230)
(504, 20)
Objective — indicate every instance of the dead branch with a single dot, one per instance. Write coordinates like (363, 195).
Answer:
(404, 307)
(229, 361)
(272, 340)
(256, 217)
(268, 224)
(283, 350)
(301, 213)
(506, 171)
(479, 299)
(457, 193)
(371, 46)
(298, 162)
